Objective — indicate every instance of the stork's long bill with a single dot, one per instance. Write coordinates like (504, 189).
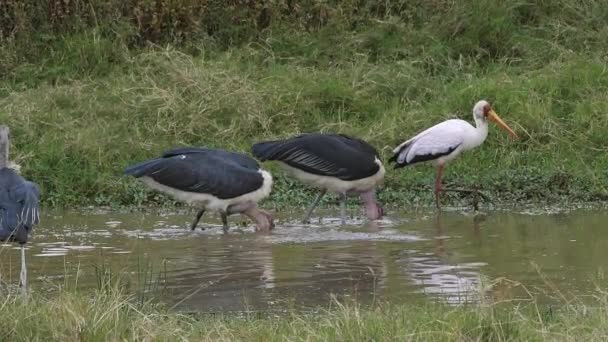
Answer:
(494, 117)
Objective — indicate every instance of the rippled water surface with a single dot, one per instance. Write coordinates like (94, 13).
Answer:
(452, 257)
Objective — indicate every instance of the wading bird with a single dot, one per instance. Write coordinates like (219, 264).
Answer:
(18, 203)
(445, 141)
(331, 162)
(216, 180)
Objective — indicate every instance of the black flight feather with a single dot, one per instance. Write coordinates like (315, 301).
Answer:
(220, 173)
(333, 155)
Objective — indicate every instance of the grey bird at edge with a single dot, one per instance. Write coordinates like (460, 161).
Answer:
(19, 208)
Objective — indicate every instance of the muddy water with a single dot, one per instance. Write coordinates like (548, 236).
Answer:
(452, 257)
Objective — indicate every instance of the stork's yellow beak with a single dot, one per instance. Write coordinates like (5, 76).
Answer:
(494, 117)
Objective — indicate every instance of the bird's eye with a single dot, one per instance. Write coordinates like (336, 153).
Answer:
(486, 110)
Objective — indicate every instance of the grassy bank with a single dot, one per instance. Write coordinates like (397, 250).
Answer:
(87, 97)
(103, 316)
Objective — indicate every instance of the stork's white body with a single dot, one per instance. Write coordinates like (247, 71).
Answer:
(337, 185)
(455, 134)
(446, 141)
(213, 203)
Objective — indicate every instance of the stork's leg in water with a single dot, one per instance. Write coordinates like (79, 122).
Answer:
(313, 206)
(343, 208)
(196, 219)
(23, 275)
(224, 221)
(476, 194)
(439, 188)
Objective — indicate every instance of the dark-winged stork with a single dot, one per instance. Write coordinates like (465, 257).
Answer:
(215, 180)
(18, 203)
(446, 140)
(331, 162)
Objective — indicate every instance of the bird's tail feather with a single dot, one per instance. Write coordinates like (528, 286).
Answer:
(265, 150)
(142, 169)
(395, 158)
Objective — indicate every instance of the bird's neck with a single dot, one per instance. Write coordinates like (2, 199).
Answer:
(481, 130)
(262, 219)
(3, 153)
(370, 204)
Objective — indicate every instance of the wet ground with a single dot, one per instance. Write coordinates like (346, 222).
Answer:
(454, 257)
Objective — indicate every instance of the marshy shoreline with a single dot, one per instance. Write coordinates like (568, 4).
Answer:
(90, 87)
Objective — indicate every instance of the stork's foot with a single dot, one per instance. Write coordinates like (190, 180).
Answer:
(474, 192)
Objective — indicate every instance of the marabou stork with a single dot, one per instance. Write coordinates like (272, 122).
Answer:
(18, 203)
(331, 162)
(213, 179)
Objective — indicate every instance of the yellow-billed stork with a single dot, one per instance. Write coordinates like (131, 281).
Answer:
(446, 140)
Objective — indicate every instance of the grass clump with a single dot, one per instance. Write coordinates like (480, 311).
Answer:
(92, 89)
(102, 316)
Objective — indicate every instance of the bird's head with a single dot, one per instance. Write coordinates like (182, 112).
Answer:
(483, 111)
(373, 209)
(4, 142)
(4, 133)
(378, 213)
(263, 219)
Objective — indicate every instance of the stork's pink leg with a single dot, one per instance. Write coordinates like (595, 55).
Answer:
(439, 188)
(438, 184)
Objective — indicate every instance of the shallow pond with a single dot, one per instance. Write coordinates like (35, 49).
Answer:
(454, 257)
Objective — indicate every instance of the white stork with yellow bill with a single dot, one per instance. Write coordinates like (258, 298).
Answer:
(446, 140)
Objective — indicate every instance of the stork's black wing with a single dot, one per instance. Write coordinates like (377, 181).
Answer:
(19, 209)
(331, 155)
(229, 156)
(201, 172)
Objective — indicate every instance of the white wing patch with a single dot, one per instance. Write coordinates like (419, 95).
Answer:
(437, 140)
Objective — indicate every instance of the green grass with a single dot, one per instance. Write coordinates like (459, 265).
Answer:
(85, 103)
(69, 315)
